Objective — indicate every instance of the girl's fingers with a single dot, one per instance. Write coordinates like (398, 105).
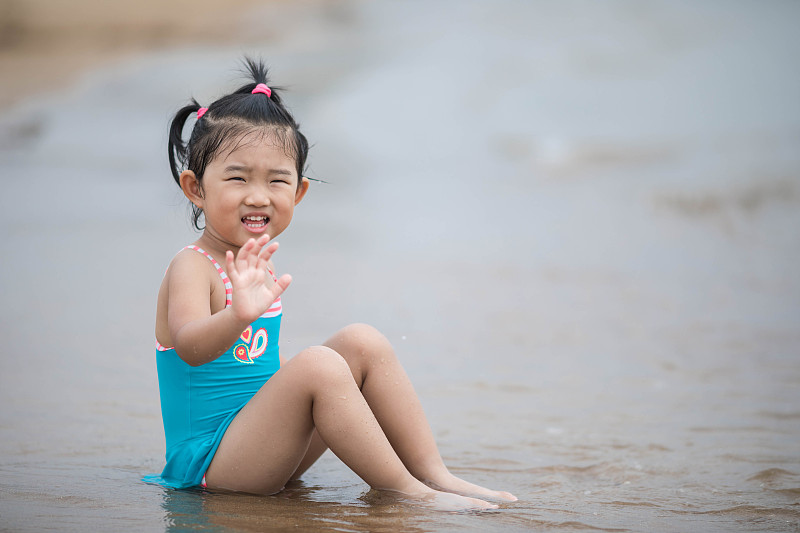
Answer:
(268, 249)
(265, 254)
(281, 285)
(253, 255)
(253, 249)
(229, 264)
(248, 256)
(241, 256)
(260, 243)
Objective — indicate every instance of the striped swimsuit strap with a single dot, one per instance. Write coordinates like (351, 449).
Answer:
(225, 280)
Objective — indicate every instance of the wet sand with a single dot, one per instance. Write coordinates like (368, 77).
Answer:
(577, 223)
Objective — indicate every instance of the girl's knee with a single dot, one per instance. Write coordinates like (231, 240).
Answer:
(364, 340)
(363, 347)
(321, 362)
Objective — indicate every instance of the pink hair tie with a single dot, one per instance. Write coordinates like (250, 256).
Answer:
(261, 88)
(201, 112)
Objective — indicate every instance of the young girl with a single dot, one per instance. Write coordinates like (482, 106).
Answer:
(237, 416)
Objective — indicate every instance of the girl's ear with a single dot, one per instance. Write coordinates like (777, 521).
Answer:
(191, 188)
(301, 190)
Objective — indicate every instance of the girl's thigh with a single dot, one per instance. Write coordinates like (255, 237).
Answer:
(266, 441)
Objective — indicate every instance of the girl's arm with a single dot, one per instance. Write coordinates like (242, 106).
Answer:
(199, 336)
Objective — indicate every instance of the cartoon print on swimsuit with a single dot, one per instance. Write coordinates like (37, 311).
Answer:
(250, 346)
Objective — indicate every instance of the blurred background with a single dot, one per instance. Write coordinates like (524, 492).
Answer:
(578, 223)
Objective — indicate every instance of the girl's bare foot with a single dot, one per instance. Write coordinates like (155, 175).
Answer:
(418, 493)
(450, 483)
(445, 501)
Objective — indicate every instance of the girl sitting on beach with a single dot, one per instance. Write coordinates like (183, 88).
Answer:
(237, 416)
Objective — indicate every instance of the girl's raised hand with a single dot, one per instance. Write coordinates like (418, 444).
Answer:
(254, 289)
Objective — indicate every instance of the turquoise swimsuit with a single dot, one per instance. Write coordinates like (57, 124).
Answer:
(199, 402)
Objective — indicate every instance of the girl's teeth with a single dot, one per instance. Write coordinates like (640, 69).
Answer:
(255, 221)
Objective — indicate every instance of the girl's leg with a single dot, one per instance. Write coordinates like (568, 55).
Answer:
(267, 440)
(316, 448)
(395, 404)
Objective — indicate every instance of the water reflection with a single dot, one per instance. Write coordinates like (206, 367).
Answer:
(296, 508)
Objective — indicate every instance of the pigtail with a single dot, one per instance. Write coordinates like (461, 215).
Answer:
(177, 150)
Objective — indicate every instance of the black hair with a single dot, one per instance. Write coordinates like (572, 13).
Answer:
(227, 120)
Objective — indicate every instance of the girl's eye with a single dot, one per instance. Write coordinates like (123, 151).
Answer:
(280, 181)
(236, 178)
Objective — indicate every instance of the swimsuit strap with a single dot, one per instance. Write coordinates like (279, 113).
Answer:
(222, 274)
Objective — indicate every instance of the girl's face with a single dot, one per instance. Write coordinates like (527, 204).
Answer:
(247, 192)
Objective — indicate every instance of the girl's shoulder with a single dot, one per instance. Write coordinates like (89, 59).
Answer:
(192, 263)
(193, 277)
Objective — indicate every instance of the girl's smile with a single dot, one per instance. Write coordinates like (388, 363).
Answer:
(256, 223)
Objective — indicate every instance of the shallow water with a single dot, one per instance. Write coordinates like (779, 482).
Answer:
(577, 222)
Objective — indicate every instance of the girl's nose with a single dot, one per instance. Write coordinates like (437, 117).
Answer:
(257, 196)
